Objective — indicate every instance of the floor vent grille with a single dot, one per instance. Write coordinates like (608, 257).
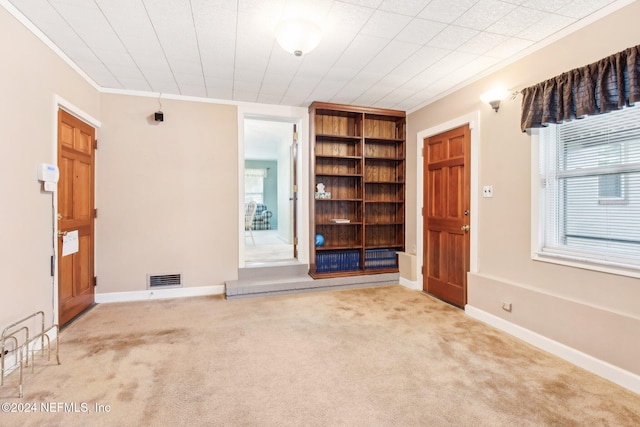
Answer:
(155, 281)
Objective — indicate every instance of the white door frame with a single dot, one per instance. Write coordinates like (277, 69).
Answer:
(299, 116)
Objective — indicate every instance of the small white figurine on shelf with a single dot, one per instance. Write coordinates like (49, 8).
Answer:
(321, 194)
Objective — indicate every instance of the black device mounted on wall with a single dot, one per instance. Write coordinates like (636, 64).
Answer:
(158, 116)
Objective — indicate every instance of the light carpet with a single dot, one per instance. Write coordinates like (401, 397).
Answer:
(384, 356)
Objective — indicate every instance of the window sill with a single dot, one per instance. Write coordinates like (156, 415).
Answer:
(576, 262)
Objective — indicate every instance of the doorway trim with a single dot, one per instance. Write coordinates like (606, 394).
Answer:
(473, 120)
(59, 103)
(293, 115)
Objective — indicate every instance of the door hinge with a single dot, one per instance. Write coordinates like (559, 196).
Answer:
(95, 213)
(95, 281)
(422, 152)
(295, 240)
(422, 270)
(422, 211)
(295, 188)
(95, 144)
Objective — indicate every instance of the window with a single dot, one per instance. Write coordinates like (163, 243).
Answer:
(590, 190)
(254, 185)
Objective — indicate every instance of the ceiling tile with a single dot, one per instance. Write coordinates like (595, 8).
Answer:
(188, 73)
(546, 5)
(265, 98)
(214, 26)
(421, 60)
(135, 84)
(389, 58)
(245, 95)
(296, 99)
(483, 14)
(325, 91)
(546, 27)
(404, 7)
(516, 21)
(301, 88)
(167, 87)
(398, 95)
(121, 65)
(223, 92)
(367, 3)
(446, 11)
(482, 43)
(247, 81)
(193, 90)
(88, 22)
(385, 24)
(510, 47)
(173, 24)
(452, 37)
(346, 18)
(449, 64)
(420, 31)
(360, 52)
(580, 8)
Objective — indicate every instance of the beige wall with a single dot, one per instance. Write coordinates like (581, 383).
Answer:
(31, 76)
(167, 193)
(593, 312)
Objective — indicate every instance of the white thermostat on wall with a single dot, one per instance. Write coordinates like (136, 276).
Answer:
(49, 175)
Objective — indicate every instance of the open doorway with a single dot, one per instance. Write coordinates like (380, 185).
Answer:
(269, 191)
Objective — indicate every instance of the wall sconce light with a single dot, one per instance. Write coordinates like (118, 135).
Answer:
(494, 96)
(298, 36)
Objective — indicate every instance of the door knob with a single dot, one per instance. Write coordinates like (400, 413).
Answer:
(464, 228)
(62, 233)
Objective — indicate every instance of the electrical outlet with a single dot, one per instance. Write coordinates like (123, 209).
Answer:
(487, 191)
(506, 306)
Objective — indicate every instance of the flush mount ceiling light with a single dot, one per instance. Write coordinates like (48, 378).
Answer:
(298, 36)
(494, 96)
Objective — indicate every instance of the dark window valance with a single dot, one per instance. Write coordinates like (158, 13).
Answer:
(609, 84)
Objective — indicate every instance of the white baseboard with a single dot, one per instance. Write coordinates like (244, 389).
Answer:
(150, 294)
(624, 378)
(410, 284)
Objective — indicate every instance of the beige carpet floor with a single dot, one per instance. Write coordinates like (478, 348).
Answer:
(384, 356)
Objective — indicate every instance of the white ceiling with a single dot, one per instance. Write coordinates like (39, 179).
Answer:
(265, 139)
(400, 54)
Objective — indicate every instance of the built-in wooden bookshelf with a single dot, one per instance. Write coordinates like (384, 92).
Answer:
(359, 156)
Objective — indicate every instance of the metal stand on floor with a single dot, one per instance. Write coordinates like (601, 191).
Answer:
(21, 348)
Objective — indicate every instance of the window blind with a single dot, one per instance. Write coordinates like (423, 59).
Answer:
(591, 174)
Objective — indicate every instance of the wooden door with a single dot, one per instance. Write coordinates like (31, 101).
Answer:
(446, 215)
(76, 141)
